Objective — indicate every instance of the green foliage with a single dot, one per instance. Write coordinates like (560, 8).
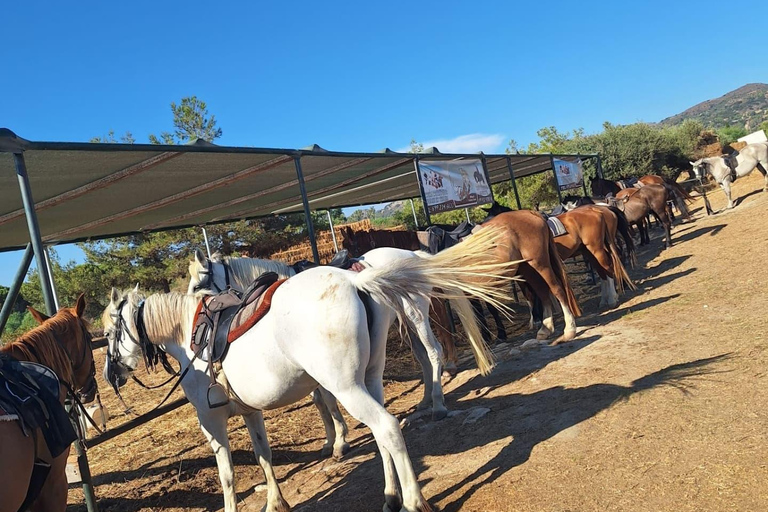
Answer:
(729, 134)
(190, 121)
(109, 138)
(70, 281)
(18, 323)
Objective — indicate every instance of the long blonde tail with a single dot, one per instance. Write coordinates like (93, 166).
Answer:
(469, 269)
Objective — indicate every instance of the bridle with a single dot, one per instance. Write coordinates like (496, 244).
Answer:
(152, 353)
(207, 281)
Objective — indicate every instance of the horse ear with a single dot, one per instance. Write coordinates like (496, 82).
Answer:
(40, 317)
(200, 257)
(693, 164)
(114, 297)
(80, 306)
(136, 288)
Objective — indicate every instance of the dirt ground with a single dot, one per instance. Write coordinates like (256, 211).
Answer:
(658, 405)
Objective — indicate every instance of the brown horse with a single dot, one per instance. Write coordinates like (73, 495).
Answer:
(528, 238)
(589, 233)
(650, 199)
(677, 193)
(63, 344)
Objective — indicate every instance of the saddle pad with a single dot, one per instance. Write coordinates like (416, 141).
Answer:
(252, 313)
(556, 227)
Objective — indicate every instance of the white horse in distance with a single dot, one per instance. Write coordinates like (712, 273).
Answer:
(726, 169)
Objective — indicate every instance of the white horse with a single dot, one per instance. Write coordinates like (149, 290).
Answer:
(220, 273)
(725, 169)
(315, 334)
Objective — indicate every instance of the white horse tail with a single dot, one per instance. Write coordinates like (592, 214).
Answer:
(470, 268)
(468, 319)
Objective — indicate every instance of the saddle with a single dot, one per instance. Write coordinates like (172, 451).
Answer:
(222, 318)
(341, 260)
(30, 391)
(629, 183)
(441, 238)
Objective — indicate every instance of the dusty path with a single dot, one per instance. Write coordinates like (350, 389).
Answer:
(658, 405)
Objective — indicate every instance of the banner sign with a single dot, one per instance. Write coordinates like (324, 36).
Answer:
(450, 185)
(568, 174)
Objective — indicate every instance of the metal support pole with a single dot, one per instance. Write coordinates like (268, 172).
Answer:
(413, 210)
(333, 232)
(50, 278)
(421, 190)
(583, 181)
(514, 184)
(466, 210)
(557, 183)
(13, 292)
(34, 233)
(307, 213)
(207, 245)
(600, 168)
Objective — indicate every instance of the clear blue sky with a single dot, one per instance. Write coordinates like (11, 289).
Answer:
(366, 75)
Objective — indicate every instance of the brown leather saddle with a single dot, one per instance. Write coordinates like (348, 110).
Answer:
(222, 318)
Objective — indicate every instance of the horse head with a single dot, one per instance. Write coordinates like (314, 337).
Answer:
(69, 330)
(700, 168)
(496, 209)
(120, 321)
(207, 274)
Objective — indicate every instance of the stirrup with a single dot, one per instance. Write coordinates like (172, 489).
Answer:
(217, 396)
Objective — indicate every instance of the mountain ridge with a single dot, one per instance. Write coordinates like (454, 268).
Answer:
(746, 106)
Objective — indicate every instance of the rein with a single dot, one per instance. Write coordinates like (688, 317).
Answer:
(152, 354)
(209, 283)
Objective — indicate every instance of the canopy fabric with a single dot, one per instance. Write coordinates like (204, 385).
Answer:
(87, 191)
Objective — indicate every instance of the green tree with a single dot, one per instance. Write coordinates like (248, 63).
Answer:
(190, 121)
(109, 138)
(729, 134)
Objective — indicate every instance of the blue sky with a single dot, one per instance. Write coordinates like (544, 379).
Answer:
(362, 76)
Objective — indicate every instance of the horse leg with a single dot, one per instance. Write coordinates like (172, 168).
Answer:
(726, 186)
(539, 288)
(213, 423)
(477, 306)
(762, 168)
(550, 278)
(440, 322)
(333, 421)
(255, 423)
(601, 261)
(366, 406)
(501, 333)
(434, 352)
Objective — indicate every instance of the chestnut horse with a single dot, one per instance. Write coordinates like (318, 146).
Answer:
(589, 234)
(678, 194)
(63, 344)
(650, 199)
(527, 237)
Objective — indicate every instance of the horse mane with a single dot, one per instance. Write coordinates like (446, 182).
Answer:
(248, 269)
(42, 345)
(165, 309)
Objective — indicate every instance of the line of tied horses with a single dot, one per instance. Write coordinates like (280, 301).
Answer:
(326, 334)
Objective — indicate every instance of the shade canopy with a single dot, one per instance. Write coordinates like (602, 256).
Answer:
(88, 191)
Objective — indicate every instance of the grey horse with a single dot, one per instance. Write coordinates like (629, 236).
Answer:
(726, 169)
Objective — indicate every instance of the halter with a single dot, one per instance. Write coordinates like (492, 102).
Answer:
(151, 352)
(208, 282)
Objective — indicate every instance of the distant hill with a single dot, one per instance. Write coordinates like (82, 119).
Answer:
(747, 106)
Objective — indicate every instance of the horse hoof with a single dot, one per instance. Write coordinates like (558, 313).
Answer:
(424, 404)
(568, 335)
(339, 453)
(439, 414)
(542, 335)
(326, 451)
